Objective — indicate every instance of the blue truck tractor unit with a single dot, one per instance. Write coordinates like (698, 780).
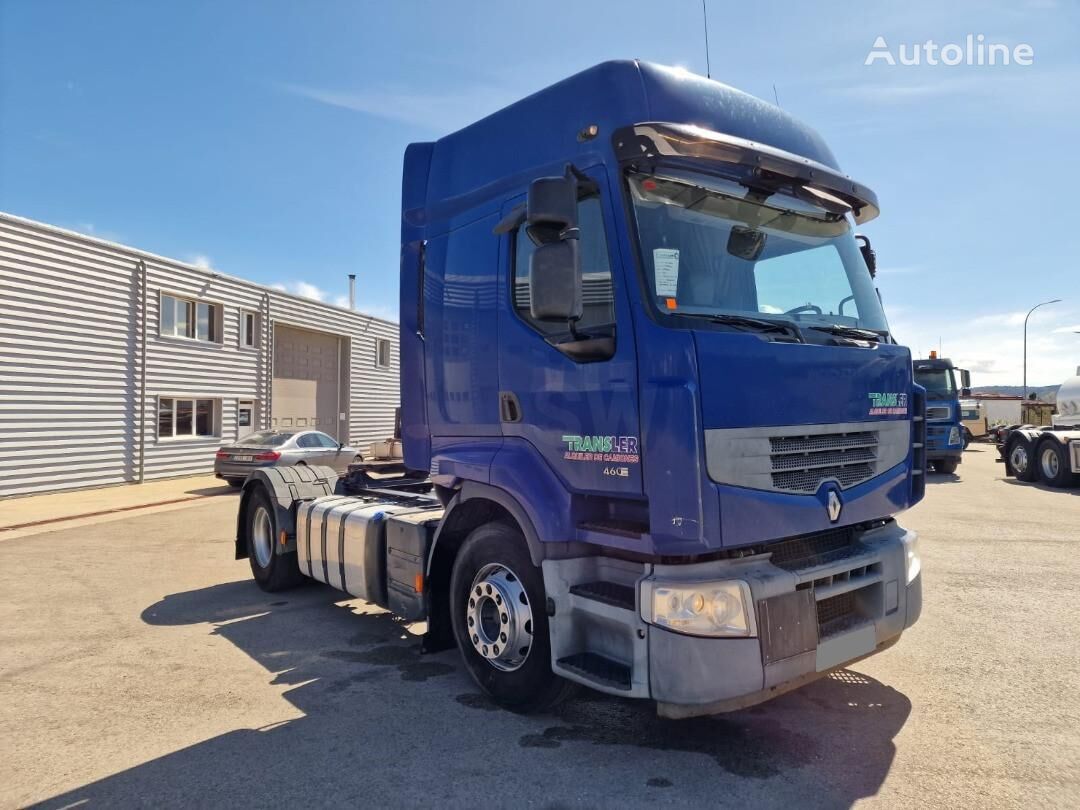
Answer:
(656, 430)
(944, 424)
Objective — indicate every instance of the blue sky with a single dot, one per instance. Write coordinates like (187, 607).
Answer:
(265, 139)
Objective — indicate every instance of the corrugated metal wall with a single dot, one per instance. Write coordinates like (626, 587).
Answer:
(72, 320)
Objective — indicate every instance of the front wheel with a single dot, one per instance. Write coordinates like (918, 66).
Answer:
(272, 571)
(1053, 464)
(497, 608)
(947, 466)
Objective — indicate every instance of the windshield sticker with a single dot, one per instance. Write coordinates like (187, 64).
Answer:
(890, 404)
(666, 264)
(612, 449)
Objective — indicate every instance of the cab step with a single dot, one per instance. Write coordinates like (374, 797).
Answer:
(598, 669)
(608, 593)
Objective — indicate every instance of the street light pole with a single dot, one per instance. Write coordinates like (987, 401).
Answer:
(1043, 304)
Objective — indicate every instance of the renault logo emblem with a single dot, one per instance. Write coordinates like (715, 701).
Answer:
(834, 506)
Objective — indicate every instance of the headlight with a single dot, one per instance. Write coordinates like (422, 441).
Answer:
(911, 551)
(699, 608)
(954, 435)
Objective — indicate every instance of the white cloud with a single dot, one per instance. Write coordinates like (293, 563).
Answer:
(90, 229)
(440, 112)
(991, 345)
(307, 290)
(201, 260)
(1064, 330)
(302, 288)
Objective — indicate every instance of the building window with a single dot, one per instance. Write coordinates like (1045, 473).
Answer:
(249, 329)
(382, 353)
(180, 418)
(245, 415)
(182, 317)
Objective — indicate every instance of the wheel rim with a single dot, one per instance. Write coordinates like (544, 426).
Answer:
(499, 618)
(1019, 458)
(262, 536)
(1050, 463)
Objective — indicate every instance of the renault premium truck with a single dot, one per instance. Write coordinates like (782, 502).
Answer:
(944, 429)
(656, 428)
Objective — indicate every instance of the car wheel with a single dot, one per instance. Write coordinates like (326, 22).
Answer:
(1052, 463)
(1019, 460)
(499, 617)
(272, 571)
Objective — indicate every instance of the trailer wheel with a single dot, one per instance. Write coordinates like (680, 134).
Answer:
(272, 571)
(1019, 460)
(1053, 464)
(498, 612)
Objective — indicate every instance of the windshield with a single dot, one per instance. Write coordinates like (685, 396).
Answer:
(938, 382)
(714, 247)
(266, 438)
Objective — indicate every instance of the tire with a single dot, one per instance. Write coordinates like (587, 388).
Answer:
(967, 438)
(1052, 464)
(235, 483)
(946, 466)
(1019, 459)
(491, 572)
(272, 572)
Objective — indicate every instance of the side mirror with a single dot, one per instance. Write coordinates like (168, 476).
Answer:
(867, 253)
(555, 292)
(555, 282)
(965, 378)
(551, 208)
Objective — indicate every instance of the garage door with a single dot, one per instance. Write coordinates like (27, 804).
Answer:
(305, 389)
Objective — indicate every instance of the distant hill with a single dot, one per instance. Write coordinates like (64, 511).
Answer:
(1047, 393)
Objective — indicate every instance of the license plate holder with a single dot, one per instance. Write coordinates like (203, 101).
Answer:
(243, 458)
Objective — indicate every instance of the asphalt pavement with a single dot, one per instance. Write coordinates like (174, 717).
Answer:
(139, 665)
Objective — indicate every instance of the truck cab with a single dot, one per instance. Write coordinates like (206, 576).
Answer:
(637, 328)
(944, 429)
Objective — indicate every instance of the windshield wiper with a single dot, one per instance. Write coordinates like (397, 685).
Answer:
(847, 331)
(752, 324)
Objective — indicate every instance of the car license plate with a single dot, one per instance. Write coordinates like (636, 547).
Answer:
(243, 458)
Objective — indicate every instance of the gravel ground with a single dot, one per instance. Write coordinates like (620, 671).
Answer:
(140, 666)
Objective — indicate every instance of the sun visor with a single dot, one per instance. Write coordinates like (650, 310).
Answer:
(684, 141)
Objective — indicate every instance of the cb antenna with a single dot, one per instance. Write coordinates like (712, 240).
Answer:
(705, 15)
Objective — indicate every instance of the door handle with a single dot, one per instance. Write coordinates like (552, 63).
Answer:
(509, 407)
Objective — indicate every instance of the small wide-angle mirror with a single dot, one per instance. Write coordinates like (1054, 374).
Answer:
(551, 208)
(868, 254)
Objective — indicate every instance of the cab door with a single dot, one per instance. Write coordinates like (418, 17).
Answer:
(577, 410)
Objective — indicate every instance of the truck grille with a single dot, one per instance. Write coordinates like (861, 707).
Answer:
(836, 613)
(812, 550)
(802, 463)
(937, 413)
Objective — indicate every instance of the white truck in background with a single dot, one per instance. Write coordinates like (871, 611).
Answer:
(1050, 453)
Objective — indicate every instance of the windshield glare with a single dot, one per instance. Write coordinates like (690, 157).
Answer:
(711, 246)
(938, 382)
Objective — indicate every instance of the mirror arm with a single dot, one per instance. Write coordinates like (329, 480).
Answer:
(512, 220)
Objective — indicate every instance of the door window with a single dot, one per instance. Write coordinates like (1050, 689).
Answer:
(597, 292)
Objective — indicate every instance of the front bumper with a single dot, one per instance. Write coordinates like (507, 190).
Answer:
(814, 613)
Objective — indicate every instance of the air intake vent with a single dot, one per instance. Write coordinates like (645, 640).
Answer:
(802, 463)
(937, 413)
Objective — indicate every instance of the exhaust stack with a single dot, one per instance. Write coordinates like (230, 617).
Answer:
(352, 290)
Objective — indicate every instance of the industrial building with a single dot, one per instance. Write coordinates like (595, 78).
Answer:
(117, 365)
